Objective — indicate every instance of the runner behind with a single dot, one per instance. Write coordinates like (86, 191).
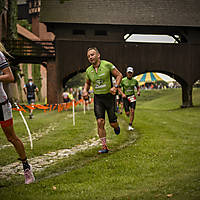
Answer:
(127, 90)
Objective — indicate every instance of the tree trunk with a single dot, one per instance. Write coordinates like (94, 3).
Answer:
(12, 19)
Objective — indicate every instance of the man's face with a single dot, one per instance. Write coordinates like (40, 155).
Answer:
(93, 56)
(129, 75)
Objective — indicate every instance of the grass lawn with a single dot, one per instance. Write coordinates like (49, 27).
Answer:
(160, 159)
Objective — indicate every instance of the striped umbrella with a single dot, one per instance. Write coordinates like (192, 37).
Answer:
(148, 77)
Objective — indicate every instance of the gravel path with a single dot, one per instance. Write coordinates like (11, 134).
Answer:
(41, 162)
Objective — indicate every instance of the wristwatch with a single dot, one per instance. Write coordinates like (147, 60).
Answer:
(116, 86)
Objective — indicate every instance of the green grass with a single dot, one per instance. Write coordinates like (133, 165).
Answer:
(160, 158)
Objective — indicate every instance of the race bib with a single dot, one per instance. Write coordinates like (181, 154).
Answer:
(131, 98)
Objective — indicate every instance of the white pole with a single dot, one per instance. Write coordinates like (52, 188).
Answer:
(84, 106)
(88, 107)
(29, 133)
(73, 113)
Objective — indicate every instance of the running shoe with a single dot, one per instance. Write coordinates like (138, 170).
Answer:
(103, 151)
(29, 177)
(130, 128)
(117, 130)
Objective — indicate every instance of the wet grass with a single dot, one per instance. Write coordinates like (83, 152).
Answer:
(159, 160)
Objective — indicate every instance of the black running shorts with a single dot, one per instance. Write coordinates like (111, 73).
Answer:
(30, 100)
(128, 104)
(102, 103)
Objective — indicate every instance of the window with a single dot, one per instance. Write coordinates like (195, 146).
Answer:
(100, 32)
(78, 32)
(149, 38)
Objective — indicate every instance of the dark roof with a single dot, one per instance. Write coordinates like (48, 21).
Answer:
(123, 12)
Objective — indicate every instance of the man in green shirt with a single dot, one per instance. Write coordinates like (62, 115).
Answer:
(127, 90)
(99, 75)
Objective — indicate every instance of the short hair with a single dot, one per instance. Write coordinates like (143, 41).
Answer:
(93, 48)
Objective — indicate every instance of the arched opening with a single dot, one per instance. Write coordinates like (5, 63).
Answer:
(165, 76)
(156, 80)
(196, 92)
(74, 80)
(73, 85)
(179, 82)
(196, 84)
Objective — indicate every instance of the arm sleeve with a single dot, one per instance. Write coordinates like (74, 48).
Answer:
(111, 66)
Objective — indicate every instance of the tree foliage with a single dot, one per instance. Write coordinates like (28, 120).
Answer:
(2, 4)
(76, 81)
(25, 24)
(12, 19)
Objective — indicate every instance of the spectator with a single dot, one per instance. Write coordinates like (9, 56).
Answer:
(29, 89)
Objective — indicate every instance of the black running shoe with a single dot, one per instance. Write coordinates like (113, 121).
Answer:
(103, 151)
(117, 130)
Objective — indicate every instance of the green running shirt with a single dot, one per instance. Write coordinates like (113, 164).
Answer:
(128, 86)
(101, 81)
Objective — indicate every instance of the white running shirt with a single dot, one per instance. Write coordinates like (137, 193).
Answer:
(6, 109)
(3, 64)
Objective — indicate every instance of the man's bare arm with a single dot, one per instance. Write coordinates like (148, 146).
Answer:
(86, 88)
(118, 76)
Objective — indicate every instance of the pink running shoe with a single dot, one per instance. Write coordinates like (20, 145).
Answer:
(29, 177)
